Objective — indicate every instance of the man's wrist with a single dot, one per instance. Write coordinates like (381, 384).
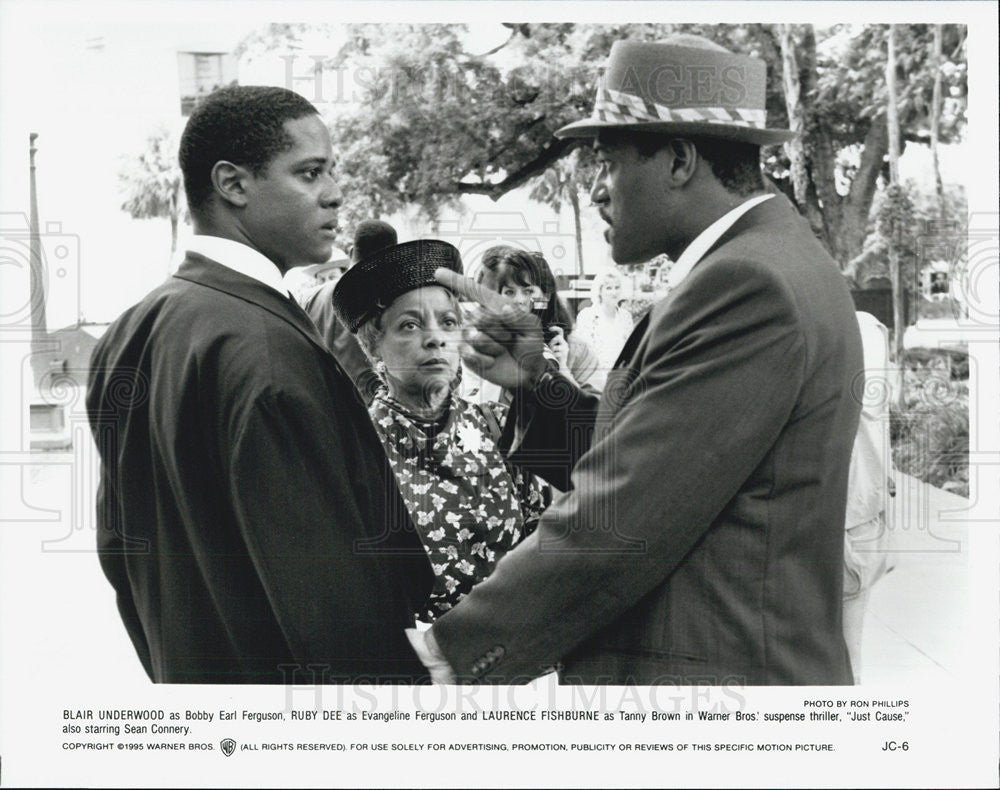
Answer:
(547, 367)
(426, 647)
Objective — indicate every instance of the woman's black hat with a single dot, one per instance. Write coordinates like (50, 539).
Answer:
(375, 282)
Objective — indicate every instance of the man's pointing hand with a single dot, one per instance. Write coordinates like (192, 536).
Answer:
(501, 342)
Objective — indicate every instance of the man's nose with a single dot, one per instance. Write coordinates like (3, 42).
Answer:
(598, 192)
(332, 196)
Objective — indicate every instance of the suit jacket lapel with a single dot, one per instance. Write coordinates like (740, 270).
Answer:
(204, 271)
(628, 350)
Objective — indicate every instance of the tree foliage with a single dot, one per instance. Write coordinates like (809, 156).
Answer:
(442, 122)
(430, 121)
(839, 77)
(151, 182)
(563, 183)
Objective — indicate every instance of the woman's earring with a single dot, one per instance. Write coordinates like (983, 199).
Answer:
(380, 369)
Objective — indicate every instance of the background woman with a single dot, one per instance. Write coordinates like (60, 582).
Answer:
(525, 277)
(468, 506)
(605, 325)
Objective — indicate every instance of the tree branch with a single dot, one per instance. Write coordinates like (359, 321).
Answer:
(875, 147)
(551, 153)
(518, 133)
(513, 34)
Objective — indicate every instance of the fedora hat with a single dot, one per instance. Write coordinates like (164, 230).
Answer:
(684, 85)
(373, 283)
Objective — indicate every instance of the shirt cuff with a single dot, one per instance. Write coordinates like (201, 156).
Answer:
(426, 647)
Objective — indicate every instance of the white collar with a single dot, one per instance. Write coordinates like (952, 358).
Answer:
(240, 258)
(703, 242)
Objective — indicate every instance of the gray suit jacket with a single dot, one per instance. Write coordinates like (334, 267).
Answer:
(702, 538)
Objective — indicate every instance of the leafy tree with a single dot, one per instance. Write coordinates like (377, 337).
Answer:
(836, 91)
(438, 121)
(449, 122)
(152, 184)
(910, 220)
(565, 181)
(897, 206)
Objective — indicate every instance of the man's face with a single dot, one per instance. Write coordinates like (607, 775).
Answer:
(291, 210)
(331, 275)
(631, 195)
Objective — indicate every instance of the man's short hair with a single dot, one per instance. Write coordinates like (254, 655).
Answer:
(244, 125)
(735, 164)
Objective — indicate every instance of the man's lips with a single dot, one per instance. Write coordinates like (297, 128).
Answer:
(607, 230)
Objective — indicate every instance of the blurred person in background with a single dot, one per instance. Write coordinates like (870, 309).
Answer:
(604, 325)
(468, 504)
(661, 280)
(526, 279)
(370, 237)
(869, 487)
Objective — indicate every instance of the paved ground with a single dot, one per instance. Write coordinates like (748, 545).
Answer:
(916, 625)
(68, 626)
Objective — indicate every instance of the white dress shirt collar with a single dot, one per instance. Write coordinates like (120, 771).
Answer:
(240, 258)
(703, 242)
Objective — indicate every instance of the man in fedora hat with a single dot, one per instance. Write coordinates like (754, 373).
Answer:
(247, 517)
(701, 536)
(370, 237)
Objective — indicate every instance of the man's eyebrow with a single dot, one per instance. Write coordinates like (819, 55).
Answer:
(315, 160)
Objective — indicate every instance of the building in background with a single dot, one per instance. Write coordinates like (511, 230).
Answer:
(91, 258)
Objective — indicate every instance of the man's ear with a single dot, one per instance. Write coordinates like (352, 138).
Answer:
(230, 183)
(684, 162)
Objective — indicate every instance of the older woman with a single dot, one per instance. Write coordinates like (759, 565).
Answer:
(468, 505)
(605, 325)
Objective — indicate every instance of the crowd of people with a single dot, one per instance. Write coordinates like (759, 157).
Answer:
(419, 474)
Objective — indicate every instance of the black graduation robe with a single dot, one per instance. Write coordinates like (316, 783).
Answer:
(247, 517)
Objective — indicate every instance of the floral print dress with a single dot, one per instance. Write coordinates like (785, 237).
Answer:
(468, 505)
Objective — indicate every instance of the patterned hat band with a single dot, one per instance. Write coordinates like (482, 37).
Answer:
(624, 108)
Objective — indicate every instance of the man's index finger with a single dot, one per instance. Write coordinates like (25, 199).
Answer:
(469, 290)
